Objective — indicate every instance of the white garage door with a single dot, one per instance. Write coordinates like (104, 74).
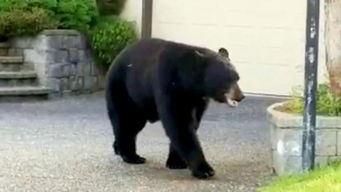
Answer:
(265, 38)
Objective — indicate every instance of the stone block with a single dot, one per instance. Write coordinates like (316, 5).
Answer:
(60, 32)
(73, 55)
(83, 44)
(73, 83)
(339, 143)
(321, 161)
(289, 142)
(54, 84)
(86, 69)
(65, 85)
(72, 70)
(94, 69)
(89, 82)
(33, 56)
(79, 69)
(83, 56)
(334, 158)
(57, 56)
(15, 52)
(326, 142)
(283, 164)
(22, 42)
(60, 70)
(54, 42)
(323, 122)
(3, 51)
(101, 81)
(273, 136)
(71, 42)
(80, 82)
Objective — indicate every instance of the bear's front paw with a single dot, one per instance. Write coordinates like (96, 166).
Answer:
(134, 159)
(203, 171)
(176, 164)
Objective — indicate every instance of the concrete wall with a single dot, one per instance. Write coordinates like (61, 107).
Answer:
(286, 140)
(62, 60)
(266, 39)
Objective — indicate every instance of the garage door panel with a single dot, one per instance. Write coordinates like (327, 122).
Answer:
(265, 38)
(262, 6)
(269, 56)
(268, 79)
(213, 36)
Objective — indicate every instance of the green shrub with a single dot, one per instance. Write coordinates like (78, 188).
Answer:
(110, 7)
(109, 37)
(76, 14)
(326, 103)
(10, 5)
(71, 14)
(25, 22)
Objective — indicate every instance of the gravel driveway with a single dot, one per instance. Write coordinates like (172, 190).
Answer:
(65, 145)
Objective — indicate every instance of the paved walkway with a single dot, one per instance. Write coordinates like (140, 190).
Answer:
(65, 145)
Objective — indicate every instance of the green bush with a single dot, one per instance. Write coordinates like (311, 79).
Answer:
(110, 7)
(76, 14)
(326, 103)
(10, 5)
(109, 37)
(25, 22)
(71, 14)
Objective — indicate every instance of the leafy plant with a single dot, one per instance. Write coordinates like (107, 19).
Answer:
(10, 5)
(109, 37)
(25, 22)
(326, 103)
(71, 14)
(110, 7)
(76, 14)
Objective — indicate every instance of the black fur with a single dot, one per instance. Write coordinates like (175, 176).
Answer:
(155, 80)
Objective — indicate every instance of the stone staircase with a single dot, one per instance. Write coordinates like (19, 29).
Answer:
(18, 80)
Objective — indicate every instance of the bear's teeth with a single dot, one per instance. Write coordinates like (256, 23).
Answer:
(232, 103)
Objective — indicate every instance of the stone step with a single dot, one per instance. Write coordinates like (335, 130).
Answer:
(10, 79)
(11, 59)
(28, 93)
(18, 82)
(18, 75)
(15, 67)
(4, 48)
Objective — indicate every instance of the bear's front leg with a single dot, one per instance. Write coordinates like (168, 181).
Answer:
(174, 160)
(179, 126)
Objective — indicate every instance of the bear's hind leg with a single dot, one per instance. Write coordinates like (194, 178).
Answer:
(125, 139)
(127, 121)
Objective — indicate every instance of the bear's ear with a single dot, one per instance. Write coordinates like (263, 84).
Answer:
(223, 52)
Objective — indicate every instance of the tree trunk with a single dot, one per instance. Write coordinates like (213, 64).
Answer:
(333, 44)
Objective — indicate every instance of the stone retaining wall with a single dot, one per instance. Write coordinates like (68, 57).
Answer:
(286, 140)
(62, 59)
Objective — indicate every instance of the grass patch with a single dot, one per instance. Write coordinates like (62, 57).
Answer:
(326, 179)
(327, 103)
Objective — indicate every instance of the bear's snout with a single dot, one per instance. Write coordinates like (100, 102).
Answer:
(235, 96)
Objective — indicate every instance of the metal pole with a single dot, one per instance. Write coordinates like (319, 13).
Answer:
(147, 18)
(311, 61)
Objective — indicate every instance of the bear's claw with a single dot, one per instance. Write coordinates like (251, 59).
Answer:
(136, 159)
(176, 165)
(204, 171)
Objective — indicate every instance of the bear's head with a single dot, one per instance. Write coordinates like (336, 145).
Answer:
(221, 78)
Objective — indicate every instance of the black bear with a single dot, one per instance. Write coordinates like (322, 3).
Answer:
(155, 79)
